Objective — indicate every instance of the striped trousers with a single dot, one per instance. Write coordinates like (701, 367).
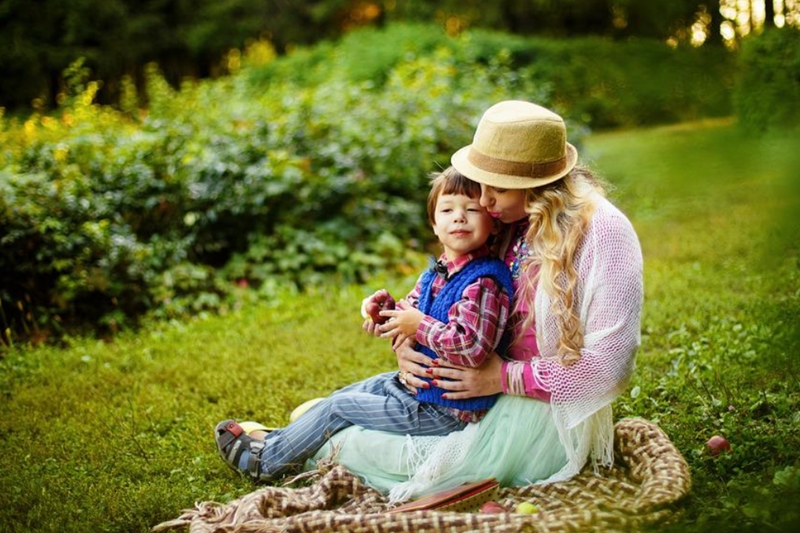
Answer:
(380, 403)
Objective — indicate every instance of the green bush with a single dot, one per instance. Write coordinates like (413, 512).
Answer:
(311, 166)
(366, 55)
(107, 214)
(603, 83)
(631, 83)
(767, 91)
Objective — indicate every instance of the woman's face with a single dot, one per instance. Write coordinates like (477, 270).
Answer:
(506, 205)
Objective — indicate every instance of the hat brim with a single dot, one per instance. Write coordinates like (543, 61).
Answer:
(461, 162)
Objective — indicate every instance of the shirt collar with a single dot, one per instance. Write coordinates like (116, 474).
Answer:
(460, 262)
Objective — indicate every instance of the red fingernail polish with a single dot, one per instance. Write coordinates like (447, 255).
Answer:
(434, 363)
(444, 396)
(429, 370)
(434, 383)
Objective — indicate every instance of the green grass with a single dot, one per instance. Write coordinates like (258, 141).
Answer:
(116, 436)
(716, 213)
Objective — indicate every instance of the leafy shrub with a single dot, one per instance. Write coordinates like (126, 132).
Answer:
(291, 171)
(366, 55)
(602, 82)
(767, 92)
(632, 83)
(107, 214)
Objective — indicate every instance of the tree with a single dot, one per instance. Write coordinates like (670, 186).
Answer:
(714, 35)
(38, 40)
(769, 14)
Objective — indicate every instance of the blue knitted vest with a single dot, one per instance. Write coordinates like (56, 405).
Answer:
(439, 307)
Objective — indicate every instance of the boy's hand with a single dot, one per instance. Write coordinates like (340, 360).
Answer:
(371, 306)
(403, 322)
(370, 309)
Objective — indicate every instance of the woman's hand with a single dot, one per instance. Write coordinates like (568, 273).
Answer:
(412, 364)
(369, 325)
(464, 382)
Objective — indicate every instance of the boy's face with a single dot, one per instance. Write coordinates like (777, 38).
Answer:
(461, 224)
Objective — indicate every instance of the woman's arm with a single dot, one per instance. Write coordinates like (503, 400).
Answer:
(517, 378)
(466, 382)
(610, 304)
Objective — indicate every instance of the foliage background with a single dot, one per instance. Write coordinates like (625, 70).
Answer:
(193, 38)
(116, 436)
(238, 212)
(258, 179)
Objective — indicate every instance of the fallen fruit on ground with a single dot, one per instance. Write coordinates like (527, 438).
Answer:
(527, 508)
(717, 445)
(492, 507)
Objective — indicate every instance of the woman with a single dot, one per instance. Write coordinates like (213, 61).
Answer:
(577, 269)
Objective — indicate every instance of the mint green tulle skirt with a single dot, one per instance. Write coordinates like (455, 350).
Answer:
(516, 443)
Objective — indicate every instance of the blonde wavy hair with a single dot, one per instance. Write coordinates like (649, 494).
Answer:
(559, 214)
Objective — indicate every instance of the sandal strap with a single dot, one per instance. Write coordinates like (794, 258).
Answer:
(228, 435)
(232, 441)
(254, 463)
(230, 432)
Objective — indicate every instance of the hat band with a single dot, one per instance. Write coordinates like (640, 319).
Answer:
(516, 168)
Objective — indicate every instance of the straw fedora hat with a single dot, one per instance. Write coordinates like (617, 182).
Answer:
(517, 145)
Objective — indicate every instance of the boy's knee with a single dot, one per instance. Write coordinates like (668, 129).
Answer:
(342, 404)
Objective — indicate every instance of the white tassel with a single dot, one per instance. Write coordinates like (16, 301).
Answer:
(403, 492)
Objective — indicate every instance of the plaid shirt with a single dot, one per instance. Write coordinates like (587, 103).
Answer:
(475, 323)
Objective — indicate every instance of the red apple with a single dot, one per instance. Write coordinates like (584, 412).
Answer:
(379, 301)
(492, 507)
(717, 444)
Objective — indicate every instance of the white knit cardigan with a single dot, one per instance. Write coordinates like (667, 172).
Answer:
(609, 298)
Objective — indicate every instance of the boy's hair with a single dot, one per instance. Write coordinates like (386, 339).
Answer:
(450, 181)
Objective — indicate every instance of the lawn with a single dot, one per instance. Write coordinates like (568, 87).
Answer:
(116, 436)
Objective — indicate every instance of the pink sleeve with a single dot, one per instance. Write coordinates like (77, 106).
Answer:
(526, 378)
(413, 296)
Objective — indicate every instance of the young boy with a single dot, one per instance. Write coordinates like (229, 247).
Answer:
(457, 311)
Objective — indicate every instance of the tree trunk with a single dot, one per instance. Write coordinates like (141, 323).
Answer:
(769, 14)
(714, 34)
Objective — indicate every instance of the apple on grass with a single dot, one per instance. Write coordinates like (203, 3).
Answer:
(717, 445)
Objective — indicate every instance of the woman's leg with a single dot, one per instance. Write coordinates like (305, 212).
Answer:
(516, 443)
